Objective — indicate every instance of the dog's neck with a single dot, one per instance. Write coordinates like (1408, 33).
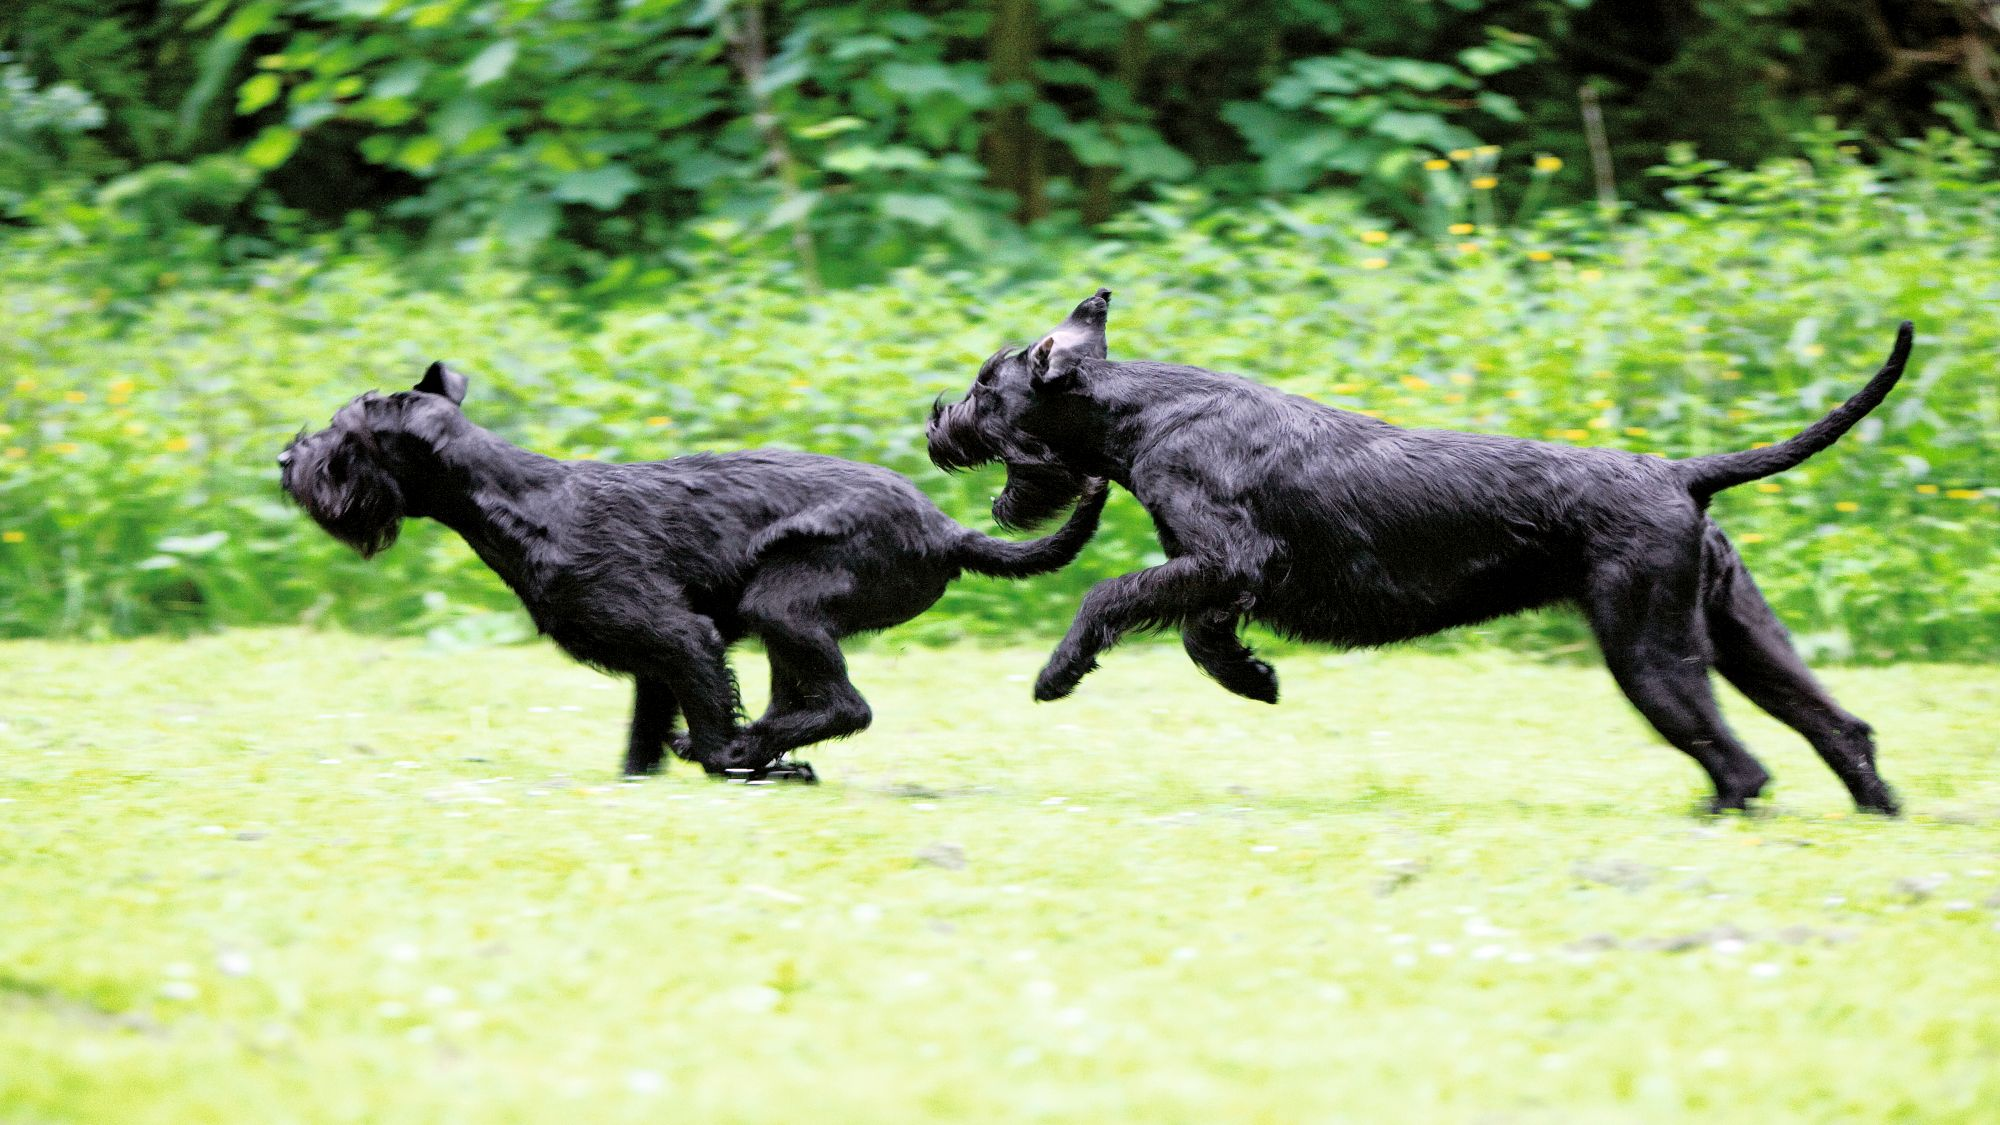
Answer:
(1132, 411)
(497, 496)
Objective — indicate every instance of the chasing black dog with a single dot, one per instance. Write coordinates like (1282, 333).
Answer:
(654, 569)
(1331, 526)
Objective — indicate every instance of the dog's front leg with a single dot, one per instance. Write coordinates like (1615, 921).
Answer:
(1170, 593)
(653, 711)
(688, 655)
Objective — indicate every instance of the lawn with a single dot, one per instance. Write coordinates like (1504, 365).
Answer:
(277, 876)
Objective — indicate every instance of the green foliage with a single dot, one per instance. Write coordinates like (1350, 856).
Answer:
(138, 492)
(308, 877)
(39, 127)
(605, 144)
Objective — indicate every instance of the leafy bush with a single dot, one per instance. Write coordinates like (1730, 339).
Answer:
(137, 489)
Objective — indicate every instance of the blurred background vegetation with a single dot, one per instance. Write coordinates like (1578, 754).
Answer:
(651, 226)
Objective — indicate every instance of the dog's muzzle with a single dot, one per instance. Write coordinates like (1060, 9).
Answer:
(953, 439)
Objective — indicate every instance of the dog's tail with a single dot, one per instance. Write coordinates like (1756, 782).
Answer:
(1004, 558)
(1706, 476)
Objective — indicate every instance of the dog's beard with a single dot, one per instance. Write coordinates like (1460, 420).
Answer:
(954, 437)
(1038, 485)
(345, 490)
(1035, 492)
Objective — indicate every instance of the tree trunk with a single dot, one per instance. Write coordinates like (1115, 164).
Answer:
(1015, 158)
(1098, 199)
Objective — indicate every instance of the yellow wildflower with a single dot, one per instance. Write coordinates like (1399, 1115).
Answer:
(1769, 486)
(1373, 237)
(1468, 248)
(1540, 256)
(1846, 506)
(179, 445)
(1373, 263)
(1346, 388)
(1485, 183)
(1635, 431)
(1753, 537)
(1754, 444)
(66, 448)
(1928, 489)
(1547, 163)
(17, 453)
(1414, 383)
(1461, 378)
(1577, 435)
(134, 429)
(1590, 275)
(24, 385)
(1964, 493)
(1437, 165)
(1461, 228)
(1454, 398)
(1487, 150)
(13, 536)
(1813, 351)
(75, 396)
(5, 429)
(1461, 154)
(121, 387)
(659, 420)
(1732, 375)
(1602, 404)
(1600, 423)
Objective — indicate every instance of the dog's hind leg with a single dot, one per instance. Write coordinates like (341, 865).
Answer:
(812, 699)
(1211, 642)
(653, 710)
(1753, 652)
(1649, 627)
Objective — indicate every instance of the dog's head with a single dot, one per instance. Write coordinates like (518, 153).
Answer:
(1020, 411)
(377, 461)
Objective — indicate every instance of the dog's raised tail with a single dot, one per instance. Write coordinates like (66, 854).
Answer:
(1710, 474)
(1005, 558)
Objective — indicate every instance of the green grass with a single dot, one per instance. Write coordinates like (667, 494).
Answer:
(282, 876)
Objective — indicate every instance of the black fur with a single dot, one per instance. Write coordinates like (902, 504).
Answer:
(1330, 526)
(653, 570)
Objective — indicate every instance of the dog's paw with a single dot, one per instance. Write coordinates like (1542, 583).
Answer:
(1251, 679)
(642, 767)
(1880, 800)
(1060, 678)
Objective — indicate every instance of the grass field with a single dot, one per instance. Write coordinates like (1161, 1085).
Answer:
(280, 876)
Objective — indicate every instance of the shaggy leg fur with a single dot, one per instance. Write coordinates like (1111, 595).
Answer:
(1649, 626)
(653, 711)
(812, 699)
(1211, 643)
(690, 660)
(1753, 652)
(1149, 598)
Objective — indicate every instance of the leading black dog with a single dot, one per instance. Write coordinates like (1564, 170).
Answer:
(654, 569)
(1331, 526)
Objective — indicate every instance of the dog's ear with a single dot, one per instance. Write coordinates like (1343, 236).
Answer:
(1053, 361)
(441, 380)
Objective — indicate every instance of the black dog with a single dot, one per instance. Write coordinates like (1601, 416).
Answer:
(655, 569)
(1330, 526)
